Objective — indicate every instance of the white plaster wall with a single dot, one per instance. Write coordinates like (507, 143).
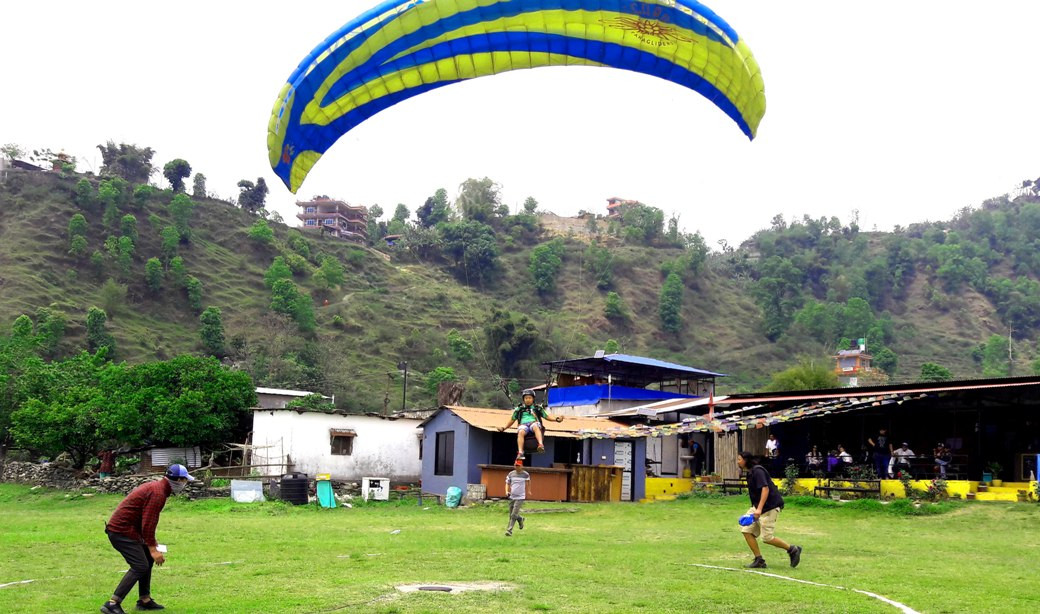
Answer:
(382, 448)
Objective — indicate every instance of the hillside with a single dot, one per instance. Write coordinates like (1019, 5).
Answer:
(735, 318)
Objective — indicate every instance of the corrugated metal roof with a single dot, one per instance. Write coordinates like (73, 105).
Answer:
(490, 419)
(664, 407)
(593, 363)
(283, 393)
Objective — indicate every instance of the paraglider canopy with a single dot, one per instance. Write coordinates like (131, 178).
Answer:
(403, 48)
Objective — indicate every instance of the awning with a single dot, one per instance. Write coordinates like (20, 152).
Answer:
(342, 433)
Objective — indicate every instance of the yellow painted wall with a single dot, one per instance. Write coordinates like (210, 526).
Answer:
(889, 488)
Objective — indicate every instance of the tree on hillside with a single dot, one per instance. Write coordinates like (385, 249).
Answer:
(130, 162)
(530, 205)
(612, 347)
(252, 196)
(459, 346)
(600, 262)
(193, 288)
(153, 275)
(670, 304)
(995, 357)
(808, 375)
(931, 372)
(510, 337)
(128, 227)
(12, 151)
(614, 309)
(277, 271)
(479, 199)
(886, 360)
(778, 293)
(77, 227)
(212, 332)
(642, 224)
(176, 171)
(181, 208)
(330, 274)
(84, 195)
(437, 376)
(261, 232)
(198, 189)
(50, 329)
(97, 334)
(544, 265)
(472, 247)
(170, 241)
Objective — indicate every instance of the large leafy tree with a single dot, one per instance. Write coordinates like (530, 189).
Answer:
(472, 247)
(670, 304)
(176, 171)
(510, 338)
(544, 265)
(130, 162)
(479, 199)
(252, 196)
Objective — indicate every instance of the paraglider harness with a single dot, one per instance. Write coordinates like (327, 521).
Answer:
(529, 437)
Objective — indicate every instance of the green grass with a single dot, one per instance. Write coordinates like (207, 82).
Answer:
(226, 557)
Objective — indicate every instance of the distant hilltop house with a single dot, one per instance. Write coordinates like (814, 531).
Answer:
(850, 365)
(335, 217)
(616, 206)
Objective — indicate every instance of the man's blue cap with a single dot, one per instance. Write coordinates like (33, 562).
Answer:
(175, 472)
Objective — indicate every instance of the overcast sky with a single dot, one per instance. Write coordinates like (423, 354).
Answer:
(906, 111)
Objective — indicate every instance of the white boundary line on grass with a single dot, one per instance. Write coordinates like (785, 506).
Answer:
(904, 608)
(14, 583)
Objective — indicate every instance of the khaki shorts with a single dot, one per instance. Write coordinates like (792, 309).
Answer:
(765, 526)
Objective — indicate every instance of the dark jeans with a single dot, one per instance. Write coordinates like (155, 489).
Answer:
(140, 561)
(881, 461)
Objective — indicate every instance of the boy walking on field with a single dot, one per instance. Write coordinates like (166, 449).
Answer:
(516, 486)
(766, 504)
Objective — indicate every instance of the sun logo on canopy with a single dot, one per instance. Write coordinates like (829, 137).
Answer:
(650, 31)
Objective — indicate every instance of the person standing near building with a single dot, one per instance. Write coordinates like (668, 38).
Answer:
(766, 503)
(882, 449)
(516, 486)
(131, 531)
(697, 452)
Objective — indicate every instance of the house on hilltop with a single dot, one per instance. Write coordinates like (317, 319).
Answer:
(335, 217)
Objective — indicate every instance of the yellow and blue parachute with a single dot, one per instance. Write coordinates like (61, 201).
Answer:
(403, 48)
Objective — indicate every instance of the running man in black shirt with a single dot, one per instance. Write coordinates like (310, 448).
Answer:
(766, 504)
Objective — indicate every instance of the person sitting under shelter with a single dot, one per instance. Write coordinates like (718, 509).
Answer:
(814, 460)
(901, 460)
(943, 457)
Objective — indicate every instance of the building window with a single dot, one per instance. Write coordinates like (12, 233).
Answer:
(445, 454)
(310, 210)
(330, 222)
(342, 441)
(310, 222)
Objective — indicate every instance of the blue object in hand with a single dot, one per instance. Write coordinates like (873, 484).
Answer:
(746, 520)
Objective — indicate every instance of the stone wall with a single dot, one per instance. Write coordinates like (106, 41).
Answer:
(52, 475)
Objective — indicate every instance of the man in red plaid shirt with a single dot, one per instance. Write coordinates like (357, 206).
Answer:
(131, 530)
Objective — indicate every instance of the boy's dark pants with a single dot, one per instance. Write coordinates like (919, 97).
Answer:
(514, 512)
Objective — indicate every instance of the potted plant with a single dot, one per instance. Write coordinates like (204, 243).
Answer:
(994, 468)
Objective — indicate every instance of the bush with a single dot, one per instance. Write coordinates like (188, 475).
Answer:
(153, 274)
(194, 289)
(261, 232)
(614, 309)
(212, 332)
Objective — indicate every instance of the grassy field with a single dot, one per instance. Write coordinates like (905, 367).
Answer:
(226, 557)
